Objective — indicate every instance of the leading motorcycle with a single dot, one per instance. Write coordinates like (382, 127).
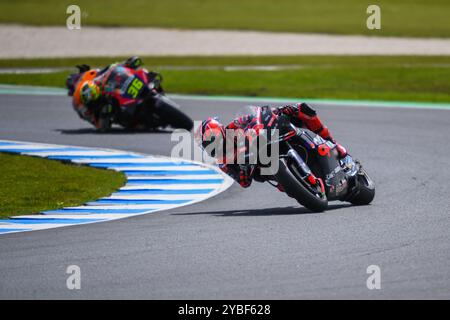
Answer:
(302, 152)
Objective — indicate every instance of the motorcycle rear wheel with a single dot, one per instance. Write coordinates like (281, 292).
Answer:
(297, 190)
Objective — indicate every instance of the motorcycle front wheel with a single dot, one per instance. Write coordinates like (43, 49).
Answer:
(170, 114)
(296, 188)
(104, 120)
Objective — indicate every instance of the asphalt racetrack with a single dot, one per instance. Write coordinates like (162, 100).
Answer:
(255, 243)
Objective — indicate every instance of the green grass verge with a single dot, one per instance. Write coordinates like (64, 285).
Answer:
(30, 185)
(203, 61)
(332, 77)
(416, 18)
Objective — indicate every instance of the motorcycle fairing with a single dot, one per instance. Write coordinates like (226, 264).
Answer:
(323, 159)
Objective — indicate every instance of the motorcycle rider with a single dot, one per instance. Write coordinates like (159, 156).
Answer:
(90, 92)
(300, 115)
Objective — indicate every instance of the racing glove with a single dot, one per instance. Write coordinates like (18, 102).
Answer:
(309, 118)
(242, 174)
(288, 110)
(83, 68)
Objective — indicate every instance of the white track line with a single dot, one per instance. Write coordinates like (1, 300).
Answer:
(155, 197)
(158, 168)
(109, 216)
(74, 153)
(156, 186)
(192, 176)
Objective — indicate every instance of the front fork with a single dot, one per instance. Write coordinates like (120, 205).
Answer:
(305, 171)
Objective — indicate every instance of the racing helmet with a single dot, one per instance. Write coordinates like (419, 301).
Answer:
(89, 92)
(211, 131)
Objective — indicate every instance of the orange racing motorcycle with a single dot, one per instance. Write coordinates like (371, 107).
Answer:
(129, 96)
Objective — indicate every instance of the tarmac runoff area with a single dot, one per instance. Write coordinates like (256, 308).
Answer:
(35, 42)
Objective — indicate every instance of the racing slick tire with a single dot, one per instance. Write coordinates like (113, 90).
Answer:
(171, 115)
(366, 191)
(297, 190)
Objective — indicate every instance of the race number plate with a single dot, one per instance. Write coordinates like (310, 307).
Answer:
(135, 88)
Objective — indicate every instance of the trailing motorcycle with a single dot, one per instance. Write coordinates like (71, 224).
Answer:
(135, 98)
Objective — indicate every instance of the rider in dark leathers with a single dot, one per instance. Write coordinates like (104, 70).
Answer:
(300, 115)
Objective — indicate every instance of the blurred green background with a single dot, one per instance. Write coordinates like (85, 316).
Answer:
(404, 78)
(415, 18)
